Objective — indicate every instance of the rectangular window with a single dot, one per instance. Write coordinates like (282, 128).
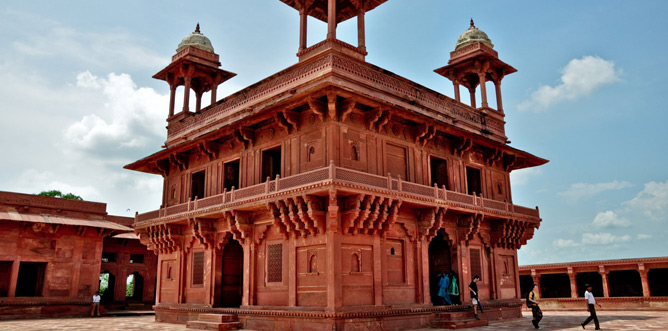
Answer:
(197, 182)
(476, 267)
(231, 175)
(30, 282)
(271, 163)
(5, 276)
(198, 268)
(109, 257)
(275, 263)
(473, 182)
(439, 172)
(136, 258)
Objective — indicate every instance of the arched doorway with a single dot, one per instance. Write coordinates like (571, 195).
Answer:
(134, 290)
(439, 262)
(232, 263)
(107, 286)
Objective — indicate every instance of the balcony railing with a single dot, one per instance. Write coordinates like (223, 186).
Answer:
(338, 174)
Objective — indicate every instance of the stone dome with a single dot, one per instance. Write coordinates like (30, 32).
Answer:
(196, 39)
(473, 35)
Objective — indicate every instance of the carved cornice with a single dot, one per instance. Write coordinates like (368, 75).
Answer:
(299, 216)
(468, 226)
(239, 224)
(162, 238)
(369, 214)
(511, 233)
(424, 133)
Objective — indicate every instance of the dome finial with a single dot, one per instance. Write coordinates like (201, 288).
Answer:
(197, 28)
(472, 25)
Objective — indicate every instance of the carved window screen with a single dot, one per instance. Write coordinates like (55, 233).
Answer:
(476, 267)
(275, 263)
(198, 268)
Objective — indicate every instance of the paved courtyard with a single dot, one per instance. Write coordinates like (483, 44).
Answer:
(553, 320)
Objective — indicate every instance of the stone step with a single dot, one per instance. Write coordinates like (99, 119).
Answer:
(459, 324)
(202, 325)
(218, 318)
(455, 315)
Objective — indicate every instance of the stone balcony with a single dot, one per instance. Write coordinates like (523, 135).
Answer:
(320, 181)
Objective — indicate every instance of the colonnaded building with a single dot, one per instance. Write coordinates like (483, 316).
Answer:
(330, 194)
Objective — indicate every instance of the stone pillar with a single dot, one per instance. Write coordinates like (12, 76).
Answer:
(172, 92)
(303, 19)
(483, 89)
(574, 284)
(14, 276)
(214, 89)
(604, 279)
(292, 271)
(333, 239)
(249, 255)
(499, 104)
(186, 95)
(361, 40)
(456, 91)
(644, 280)
(198, 101)
(331, 19)
(158, 284)
(472, 92)
(377, 271)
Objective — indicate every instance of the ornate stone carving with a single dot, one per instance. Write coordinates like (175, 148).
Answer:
(299, 216)
(162, 238)
(369, 214)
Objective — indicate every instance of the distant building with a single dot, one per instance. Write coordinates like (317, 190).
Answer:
(618, 284)
(51, 257)
(331, 194)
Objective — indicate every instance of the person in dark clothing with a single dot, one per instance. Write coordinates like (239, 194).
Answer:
(591, 308)
(533, 304)
(473, 288)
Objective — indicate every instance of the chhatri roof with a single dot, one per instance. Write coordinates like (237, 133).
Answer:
(473, 35)
(345, 9)
(196, 39)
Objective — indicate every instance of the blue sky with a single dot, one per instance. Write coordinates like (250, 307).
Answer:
(78, 100)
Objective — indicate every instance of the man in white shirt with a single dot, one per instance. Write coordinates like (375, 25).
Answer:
(95, 311)
(591, 308)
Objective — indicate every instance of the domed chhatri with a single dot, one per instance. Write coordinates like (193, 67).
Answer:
(196, 39)
(473, 35)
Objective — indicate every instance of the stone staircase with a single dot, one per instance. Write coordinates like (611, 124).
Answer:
(215, 322)
(457, 320)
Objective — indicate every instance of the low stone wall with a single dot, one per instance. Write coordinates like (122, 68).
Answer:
(43, 309)
(619, 303)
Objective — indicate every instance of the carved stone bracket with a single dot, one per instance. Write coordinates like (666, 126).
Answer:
(180, 160)
(509, 161)
(378, 119)
(287, 119)
(318, 107)
(299, 216)
(222, 239)
(203, 231)
(492, 155)
(239, 225)
(209, 148)
(511, 234)
(162, 238)
(369, 214)
(162, 166)
(461, 145)
(347, 108)
(430, 221)
(468, 226)
(331, 105)
(424, 133)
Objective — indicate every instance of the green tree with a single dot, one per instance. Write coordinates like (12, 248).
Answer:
(104, 282)
(58, 194)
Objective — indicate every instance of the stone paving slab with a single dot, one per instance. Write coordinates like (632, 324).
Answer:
(552, 320)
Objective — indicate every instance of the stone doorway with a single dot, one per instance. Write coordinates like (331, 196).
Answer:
(107, 287)
(134, 287)
(232, 263)
(440, 260)
(31, 279)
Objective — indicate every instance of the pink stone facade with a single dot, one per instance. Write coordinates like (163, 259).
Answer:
(625, 284)
(332, 193)
(50, 254)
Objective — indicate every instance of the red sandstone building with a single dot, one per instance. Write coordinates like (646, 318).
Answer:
(330, 194)
(617, 284)
(52, 252)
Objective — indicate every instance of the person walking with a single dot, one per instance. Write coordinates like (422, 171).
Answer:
(443, 284)
(535, 309)
(473, 288)
(95, 309)
(453, 289)
(591, 308)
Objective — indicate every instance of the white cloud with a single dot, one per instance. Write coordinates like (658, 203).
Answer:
(652, 201)
(579, 191)
(609, 219)
(603, 238)
(522, 176)
(579, 78)
(126, 120)
(643, 236)
(561, 243)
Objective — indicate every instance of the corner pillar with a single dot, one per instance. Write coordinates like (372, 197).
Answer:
(456, 86)
(214, 89)
(574, 284)
(331, 19)
(186, 95)
(333, 239)
(472, 93)
(172, 95)
(361, 39)
(644, 280)
(536, 280)
(198, 101)
(604, 279)
(303, 19)
(499, 103)
(483, 89)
